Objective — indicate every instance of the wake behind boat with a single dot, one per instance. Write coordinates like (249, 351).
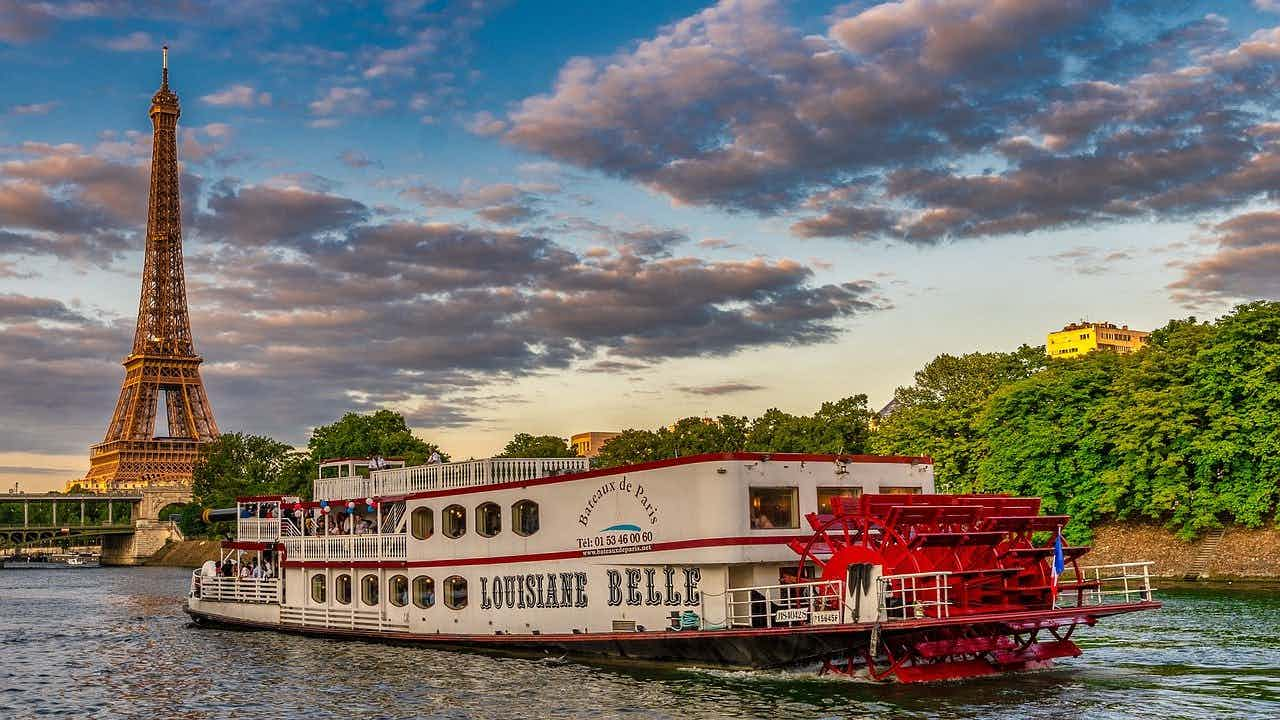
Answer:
(740, 559)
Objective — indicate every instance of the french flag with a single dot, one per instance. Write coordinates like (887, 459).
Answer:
(1059, 563)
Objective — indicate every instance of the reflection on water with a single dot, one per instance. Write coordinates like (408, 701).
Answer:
(114, 643)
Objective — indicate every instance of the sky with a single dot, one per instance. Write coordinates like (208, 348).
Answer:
(554, 217)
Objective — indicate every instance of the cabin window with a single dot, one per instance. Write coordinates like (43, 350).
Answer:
(827, 494)
(369, 589)
(424, 591)
(774, 507)
(423, 523)
(455, 521)
(488, 519)
(317, 589)
(455, 592)
(899, 490)
(342, 589)
(398, 590)
(524, 518)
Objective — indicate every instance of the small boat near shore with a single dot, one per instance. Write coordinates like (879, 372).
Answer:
(737, 559)
(56, 561)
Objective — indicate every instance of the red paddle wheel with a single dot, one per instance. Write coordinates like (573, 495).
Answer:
(955, 583)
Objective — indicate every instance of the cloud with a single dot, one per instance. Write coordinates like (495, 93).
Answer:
(259, 215)
(910, 121)
(34, 108)
(726, 388)
(339, 102)
(244, 96)
(485, 124)
(132, 42)
(22, 22)
(1244, 266)
(357, 160)
(1088, 260)
(501, 203)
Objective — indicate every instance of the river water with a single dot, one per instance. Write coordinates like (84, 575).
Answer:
(114, 643)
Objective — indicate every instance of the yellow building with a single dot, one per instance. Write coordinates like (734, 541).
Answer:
(1082, 338)
(588, 444)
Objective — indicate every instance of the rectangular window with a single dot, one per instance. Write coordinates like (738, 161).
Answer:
(775, 507)
(899, 490)
(827, 494)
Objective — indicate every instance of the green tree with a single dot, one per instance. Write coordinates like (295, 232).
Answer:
(384, 433)
(238, 464)
(632, 446)
(937, 414)
(524, 445)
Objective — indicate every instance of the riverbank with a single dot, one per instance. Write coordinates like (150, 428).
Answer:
(1241, 553)
(184, 553)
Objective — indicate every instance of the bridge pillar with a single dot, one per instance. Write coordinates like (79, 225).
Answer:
(150, 533)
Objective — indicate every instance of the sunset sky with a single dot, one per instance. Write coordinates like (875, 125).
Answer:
(562, 216)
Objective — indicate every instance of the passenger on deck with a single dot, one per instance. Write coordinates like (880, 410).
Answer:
(246, 571)
(435, 458)
(228, 568)
(266, 570)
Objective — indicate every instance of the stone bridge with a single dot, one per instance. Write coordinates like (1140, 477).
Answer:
(129, 524)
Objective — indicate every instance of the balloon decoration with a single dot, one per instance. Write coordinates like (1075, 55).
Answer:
(368, 501)
(368, 508)
(351, 507)
(324, 503)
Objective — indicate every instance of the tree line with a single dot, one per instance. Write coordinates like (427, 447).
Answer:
(1185, 431)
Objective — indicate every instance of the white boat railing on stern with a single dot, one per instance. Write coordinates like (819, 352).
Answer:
(1106, 584)
(784, 605)
(234, 589)
(261, 529)
(446, 476)
(914, 595)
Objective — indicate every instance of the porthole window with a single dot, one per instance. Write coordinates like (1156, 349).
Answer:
(488, 519)
(317, 589)
(342, 589)
(369, 589)
(455, 592)
(455, 521)
(398, 590)
(424, 591)
(524, 518)
(422, 523)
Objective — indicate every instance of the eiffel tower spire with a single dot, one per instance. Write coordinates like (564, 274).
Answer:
(163, 361)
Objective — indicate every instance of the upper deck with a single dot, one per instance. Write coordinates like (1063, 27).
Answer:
(445, 476)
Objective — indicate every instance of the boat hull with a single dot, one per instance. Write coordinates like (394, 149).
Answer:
(761, 648)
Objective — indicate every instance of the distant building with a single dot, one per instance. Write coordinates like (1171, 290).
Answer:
(588, 444)
(1082, 338)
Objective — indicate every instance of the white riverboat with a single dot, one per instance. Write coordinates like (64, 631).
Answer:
(751, 559)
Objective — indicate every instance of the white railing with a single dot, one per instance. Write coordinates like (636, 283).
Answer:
(347, 547)
(810, 603)
(1106, 584)
(446, 476)
(234, 589)
(914, 595)
(338, 618)
(262, 529)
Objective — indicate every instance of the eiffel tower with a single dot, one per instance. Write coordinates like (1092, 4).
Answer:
(163, 361)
